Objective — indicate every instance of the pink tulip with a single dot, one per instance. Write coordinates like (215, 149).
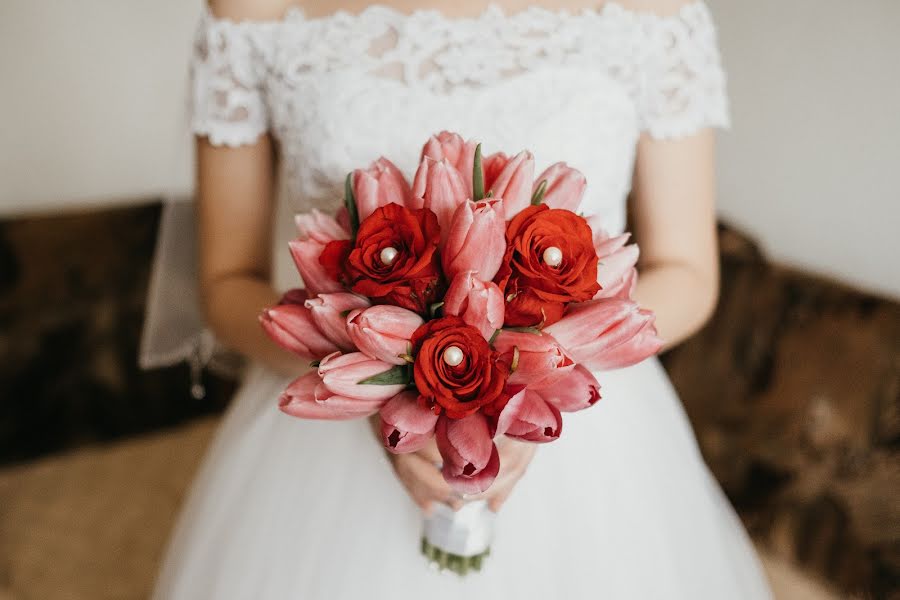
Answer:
(405, 425)
(514, 183)
(476, 240)
(492, 166)
(442, 190)
(299, 400)
(291, 326)
(306, 257)
(320, 227)
(616, 272)
(471, 461)
(383, 332)
(607, 334)
(342, 373)
(535, 359)
(577, 391)
(565, 186)
(458, 152)
(382, 183)
(479, 303)
(294, 296)
(527, 416)
(329, 313)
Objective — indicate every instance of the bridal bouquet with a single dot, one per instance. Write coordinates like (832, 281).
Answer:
(472, 304)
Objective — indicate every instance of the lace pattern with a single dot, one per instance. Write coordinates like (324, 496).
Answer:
(670, 66)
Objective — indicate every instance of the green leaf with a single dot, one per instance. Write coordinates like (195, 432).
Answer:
(398, 375)
(350, 203)
(538, 196)
(533, 330)
(478, 176)
(494, 337)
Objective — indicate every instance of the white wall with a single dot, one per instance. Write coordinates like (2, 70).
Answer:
(93, 101)
(812, 165)
(92, 110)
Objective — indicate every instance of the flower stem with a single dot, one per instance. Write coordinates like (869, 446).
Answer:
(447, 561)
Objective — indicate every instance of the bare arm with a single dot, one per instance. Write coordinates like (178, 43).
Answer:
(235, 187)
(673, 207)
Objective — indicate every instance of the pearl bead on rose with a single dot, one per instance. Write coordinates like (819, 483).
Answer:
(553, 256)
(453, 356)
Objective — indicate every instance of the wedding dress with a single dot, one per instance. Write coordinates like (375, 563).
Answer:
(622, 506)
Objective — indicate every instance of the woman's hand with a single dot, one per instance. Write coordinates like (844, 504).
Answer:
(420, 474)
(515, 456)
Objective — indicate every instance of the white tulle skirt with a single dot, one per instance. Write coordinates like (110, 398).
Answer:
(620, 507)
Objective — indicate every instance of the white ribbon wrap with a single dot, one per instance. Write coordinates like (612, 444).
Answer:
(466, 532)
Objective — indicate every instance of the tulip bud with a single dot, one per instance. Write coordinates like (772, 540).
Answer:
(406, 426)
(471, 460)
(459, 153)
(306, 255)
(479, 303)
(299, 400)
(343, 376)
(577, 391)
(616, 271)
(536, 359)
(442, 189)
(527, 416)
(329, 313)
(291, 326)
(320, 227)
(607, 334)
(476, 240)
(565, 186)
(382, 183)
(514, 183)
(383, 332)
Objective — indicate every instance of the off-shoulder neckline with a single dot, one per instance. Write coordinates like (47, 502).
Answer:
(297, 14)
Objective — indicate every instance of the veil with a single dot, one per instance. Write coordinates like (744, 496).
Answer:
(174, 330)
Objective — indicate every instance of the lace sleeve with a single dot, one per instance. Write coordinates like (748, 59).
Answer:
(227, 73)
(682, 81)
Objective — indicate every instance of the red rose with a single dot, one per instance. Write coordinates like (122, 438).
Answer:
(550, 261)
(455, 369)
(394, 259)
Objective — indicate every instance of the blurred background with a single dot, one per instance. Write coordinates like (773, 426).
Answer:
(793, 387)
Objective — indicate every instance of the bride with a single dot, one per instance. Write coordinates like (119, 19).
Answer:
(290, 97)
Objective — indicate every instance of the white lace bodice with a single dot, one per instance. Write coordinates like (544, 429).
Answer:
(339, 91)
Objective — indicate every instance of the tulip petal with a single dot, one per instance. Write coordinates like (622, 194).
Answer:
(514, 183)
(316, 279)
(527, 416)
(476, 240)
(442, 190)
(329, 313)
(298, 400)
(383, 332)
(292, 327)
(471, 460)
(565, 186)
(539, 359)
(406, 426)
(342, 375)
(579, 390)
(319, 227)
(480, 304)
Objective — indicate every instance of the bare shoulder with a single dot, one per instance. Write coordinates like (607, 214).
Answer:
(658, 7)
(253, 10)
